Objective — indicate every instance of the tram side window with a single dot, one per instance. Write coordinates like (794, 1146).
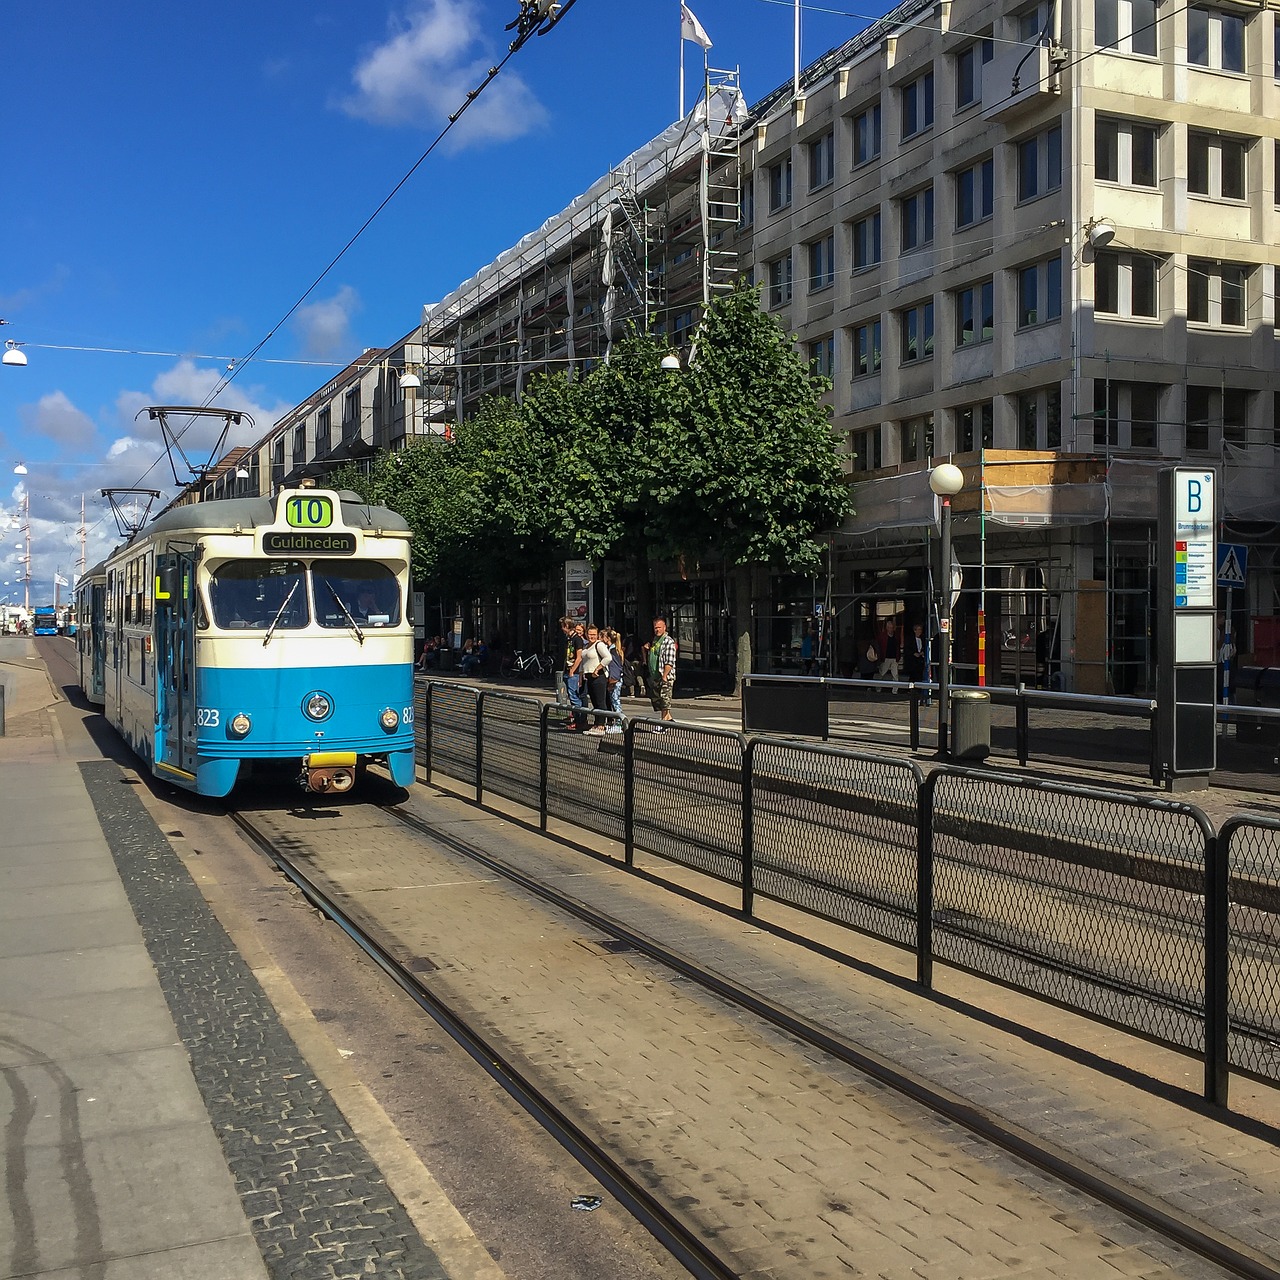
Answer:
(257, 594)
(363, 589)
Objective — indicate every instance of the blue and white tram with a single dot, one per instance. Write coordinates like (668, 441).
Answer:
(256, 629)
(91, 637)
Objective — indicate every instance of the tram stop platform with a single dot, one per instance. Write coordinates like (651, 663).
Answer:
(125, 1116)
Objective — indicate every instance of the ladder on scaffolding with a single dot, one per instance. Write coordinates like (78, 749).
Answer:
(721, 182)
(632, 233)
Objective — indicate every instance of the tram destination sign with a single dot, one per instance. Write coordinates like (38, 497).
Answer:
(300, 542)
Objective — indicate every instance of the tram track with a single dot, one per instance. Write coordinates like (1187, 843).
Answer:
(681, 1242)
(684, 1242)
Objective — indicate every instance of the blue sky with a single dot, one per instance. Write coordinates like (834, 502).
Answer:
(176, 176)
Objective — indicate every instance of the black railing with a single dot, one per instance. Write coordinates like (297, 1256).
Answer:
(1128, 909)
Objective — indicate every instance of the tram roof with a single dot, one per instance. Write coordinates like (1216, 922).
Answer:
(252, 513)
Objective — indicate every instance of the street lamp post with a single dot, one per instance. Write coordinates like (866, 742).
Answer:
(945, 480)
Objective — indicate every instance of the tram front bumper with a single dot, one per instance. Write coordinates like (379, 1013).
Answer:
(326, 772)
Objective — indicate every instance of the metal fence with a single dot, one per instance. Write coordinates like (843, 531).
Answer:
(1128, 909)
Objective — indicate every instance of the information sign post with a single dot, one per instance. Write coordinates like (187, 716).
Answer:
(1186, 651)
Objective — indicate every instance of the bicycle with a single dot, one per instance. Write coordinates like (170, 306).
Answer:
(521, 664)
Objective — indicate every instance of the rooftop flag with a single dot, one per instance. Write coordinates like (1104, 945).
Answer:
(691, 28)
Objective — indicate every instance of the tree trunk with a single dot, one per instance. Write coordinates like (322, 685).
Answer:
(644, 596)
(742, 579)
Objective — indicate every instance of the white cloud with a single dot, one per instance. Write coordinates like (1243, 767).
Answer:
(324, 327)
(124, 451)
(55, 418)
(422, 74)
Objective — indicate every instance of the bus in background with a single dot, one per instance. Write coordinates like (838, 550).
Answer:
(44, 618)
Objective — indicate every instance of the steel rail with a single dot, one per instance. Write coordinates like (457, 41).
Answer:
(1182, 1229)
(679, 1240)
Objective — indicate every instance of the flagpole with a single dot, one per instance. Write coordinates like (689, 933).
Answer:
(797, 71)
(681, 115)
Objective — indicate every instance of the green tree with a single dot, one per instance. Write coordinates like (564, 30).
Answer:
(757, 475)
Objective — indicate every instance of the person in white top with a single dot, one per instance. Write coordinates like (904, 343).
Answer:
(595, 672)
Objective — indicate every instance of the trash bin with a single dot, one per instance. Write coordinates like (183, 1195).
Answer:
(970, 725)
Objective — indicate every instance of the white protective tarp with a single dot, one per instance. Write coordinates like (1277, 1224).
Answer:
(639, 171)
(1046, 505)
(892, 502)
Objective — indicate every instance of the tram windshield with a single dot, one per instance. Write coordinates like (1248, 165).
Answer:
(360, 591)
(257, 594)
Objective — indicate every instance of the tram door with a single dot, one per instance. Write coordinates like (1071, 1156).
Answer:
(175, 661)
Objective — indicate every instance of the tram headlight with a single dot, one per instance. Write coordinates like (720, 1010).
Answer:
(240, 725)
(390, 720)
(318, 706)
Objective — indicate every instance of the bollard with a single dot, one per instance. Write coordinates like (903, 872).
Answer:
(1, 708)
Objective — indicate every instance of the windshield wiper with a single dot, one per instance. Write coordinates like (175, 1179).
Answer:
(355, 626)
(275, 622)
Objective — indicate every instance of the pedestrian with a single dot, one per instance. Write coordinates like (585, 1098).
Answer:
(660, 655)
(915, 660)
(632, 667)
(890, 647)
(574, 642)
(806, 648)
(593, 668)
(615, 678)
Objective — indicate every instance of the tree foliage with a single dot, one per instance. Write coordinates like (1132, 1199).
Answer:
(733, 458)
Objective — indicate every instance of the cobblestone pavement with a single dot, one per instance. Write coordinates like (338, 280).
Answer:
(318, 1205)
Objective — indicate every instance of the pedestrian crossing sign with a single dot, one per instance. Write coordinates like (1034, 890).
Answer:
(1233, 563)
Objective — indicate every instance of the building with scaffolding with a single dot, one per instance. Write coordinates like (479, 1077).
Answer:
(1039, 240)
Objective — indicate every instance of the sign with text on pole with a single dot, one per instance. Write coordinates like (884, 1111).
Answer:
(1186, 618)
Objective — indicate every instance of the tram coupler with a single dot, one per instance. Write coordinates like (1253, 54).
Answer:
(329, 772)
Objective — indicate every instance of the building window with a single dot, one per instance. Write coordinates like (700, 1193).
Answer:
(917, 219)
(1215, 39)
(1040, 164)
(351, 413)
(822, 356)
(299, 444)
(780, 281)
(1216, 417)
(747, 213)
(1034, 22)
(975, 193)
(1128, 413)
(1126, 284)
(822, 161)
(779, 185)
(1124, 152)
(1126, 26)
(324, 431)
(975, 314)
(916, 325)
(975, 427)
(969, 64)
(822, 263)
(915, 439)
(866, 348)
(867, 454)
(866, 135)
(1215, 293)
(917, 106)
(1215, 166)
(1040, 419)
(1040, 293)
(866, 241)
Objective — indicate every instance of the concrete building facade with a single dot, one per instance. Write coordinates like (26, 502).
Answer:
(1040, 240)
